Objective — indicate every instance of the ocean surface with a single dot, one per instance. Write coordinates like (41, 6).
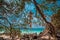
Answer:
(28, 30)
(32, 30)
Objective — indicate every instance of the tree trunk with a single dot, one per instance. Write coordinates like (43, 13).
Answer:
(51, 27)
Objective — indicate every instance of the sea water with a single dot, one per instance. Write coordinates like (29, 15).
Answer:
(28, 30)
(32, 30)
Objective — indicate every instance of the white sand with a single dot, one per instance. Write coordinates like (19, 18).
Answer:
(46, 37)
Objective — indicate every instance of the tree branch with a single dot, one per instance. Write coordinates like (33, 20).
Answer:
(51, 27)
(40, 12)
(5, 19)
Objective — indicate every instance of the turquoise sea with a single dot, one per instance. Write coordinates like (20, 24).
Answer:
(28, 30)
(32, 30)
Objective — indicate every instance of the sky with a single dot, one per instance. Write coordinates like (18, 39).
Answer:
(31, 7)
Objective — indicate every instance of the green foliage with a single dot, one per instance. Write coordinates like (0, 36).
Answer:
(56, 20)
(26, 0)
(43, 7)
(1, 1)
(15, 32)
(49, 1)
(3, 28)
(22, 5)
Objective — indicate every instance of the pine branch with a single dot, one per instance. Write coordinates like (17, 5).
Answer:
(51, 27)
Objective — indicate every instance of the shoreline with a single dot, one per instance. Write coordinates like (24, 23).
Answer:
(27, 37)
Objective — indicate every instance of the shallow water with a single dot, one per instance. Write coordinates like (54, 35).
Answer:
(29, 30)
(32, 30)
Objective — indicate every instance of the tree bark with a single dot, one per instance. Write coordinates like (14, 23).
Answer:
(51, 27)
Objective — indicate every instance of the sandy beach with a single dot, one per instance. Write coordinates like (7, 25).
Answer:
(26, 37)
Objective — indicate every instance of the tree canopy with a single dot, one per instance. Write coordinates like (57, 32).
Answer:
(25, 13)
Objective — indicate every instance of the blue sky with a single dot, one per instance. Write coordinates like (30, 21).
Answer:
(31, 7)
